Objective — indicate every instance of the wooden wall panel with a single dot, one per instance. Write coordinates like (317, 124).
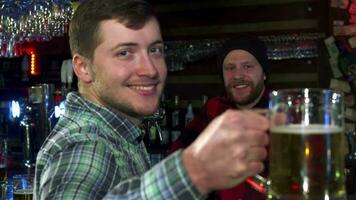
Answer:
(182, 19)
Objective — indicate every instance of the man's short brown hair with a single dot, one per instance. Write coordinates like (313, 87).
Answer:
(84, 29)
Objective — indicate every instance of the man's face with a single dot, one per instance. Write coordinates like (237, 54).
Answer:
(243, 77)
(128, 68)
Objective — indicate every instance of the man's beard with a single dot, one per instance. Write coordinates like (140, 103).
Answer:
(254, 94)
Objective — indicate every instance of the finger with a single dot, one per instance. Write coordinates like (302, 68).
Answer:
(247, 169)
(244, 119)
(279, 119)
(255, 137)
(255, 167)
(255, 120)
(257, 154)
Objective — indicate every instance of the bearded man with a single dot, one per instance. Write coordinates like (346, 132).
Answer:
(244, 70)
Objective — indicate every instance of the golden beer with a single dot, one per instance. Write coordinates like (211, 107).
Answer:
(23, 195)
(307, 163)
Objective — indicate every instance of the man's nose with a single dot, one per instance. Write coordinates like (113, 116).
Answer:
(239, 72)
(147, 67)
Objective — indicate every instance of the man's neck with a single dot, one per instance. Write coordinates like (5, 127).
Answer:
(94, 99)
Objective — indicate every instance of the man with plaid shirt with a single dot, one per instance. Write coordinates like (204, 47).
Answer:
(96, 150)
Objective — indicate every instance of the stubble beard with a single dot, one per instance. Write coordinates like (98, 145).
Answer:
(119, 105)
(254, 94)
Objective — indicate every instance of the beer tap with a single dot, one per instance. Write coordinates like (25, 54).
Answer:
(27, 127)
(155, 118)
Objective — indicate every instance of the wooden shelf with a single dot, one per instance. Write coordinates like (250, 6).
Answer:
(196, 5)
(245, 27)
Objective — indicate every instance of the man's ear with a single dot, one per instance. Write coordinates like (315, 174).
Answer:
(81, 68)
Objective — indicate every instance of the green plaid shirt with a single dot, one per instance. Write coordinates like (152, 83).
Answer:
(92, 151)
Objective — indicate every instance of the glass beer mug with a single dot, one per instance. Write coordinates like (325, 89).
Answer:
(22, 186)
(307, 145)
(3, 168)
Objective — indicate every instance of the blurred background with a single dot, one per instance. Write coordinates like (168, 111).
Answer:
(310, 44)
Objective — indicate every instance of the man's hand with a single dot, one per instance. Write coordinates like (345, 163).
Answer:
(229, 150)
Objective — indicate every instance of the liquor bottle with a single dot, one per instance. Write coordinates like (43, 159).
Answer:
(163, 111)
(3, 160)
(164, 134)
(175, 126)
(153, 135)
(189, 115)
(204, 99)
(3, 168)
(149, 134)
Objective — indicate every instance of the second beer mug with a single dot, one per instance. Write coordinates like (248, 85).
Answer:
(23, 186)
(3, 168)
(307, 148)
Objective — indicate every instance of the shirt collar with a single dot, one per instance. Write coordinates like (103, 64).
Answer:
(118, 123)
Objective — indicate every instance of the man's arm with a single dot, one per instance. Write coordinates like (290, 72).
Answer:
(229, 150)
(88, 170)
(166, 180)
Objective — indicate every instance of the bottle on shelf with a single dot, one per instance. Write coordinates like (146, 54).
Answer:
(189, 115)
(157, 136)
(3, 160)
(165, 136)
(175, 119)
(149, 134)
(153, 134)
(204, 99)
(3, 168)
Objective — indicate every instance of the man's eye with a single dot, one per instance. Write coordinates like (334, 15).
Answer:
(247, 66)
(156, 50)
(229, 68)
(122, 53)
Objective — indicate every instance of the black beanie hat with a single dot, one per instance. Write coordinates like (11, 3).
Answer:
(251, 44)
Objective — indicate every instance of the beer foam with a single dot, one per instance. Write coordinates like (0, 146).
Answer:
(23, 191)
(310, 129)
